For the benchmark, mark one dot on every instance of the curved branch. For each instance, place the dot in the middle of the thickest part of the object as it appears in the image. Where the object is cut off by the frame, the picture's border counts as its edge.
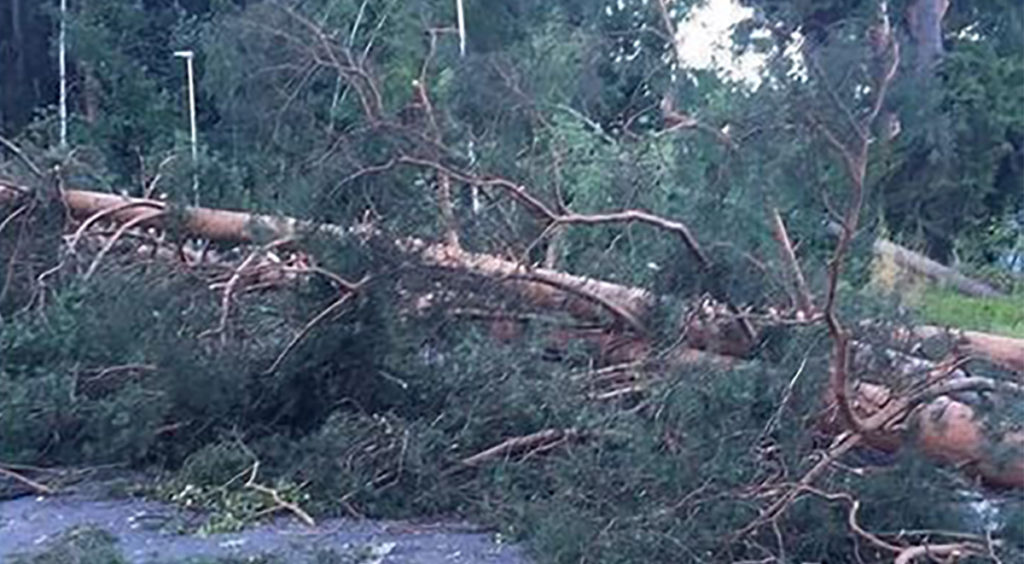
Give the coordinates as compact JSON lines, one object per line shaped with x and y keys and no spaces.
{"x":142,"y":219}
{"x":91,"y":220}
{"x":324,"y":314}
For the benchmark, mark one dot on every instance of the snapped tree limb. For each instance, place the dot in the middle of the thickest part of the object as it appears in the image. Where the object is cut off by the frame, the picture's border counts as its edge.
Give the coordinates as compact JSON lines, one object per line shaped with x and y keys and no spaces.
{"x":948,"y":429}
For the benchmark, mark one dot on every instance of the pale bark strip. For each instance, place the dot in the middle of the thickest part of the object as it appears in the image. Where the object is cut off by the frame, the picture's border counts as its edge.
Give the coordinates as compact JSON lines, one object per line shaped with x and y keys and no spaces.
{"x":804,"y":301}
{"x":444,"y":204}
{"x":924,"y":21}
{"x":538,"y":440}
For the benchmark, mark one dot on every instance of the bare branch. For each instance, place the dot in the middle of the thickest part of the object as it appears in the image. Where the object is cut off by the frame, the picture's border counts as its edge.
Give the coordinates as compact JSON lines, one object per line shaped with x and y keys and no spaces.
{"x":39,"y":488}
{"x":324,"y":314}
{"x":141,"y":219}
{"x":280,"y":503}
{"x":855,"y":158}
{"x":545,"y":439}
{"x":956,"y":550}
{"x":804,"y":301}
{"x":33,"y":167}
{"x":108,"y":212}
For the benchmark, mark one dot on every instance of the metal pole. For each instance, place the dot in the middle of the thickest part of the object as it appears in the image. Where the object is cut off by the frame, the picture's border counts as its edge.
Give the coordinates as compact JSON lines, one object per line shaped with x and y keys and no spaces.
{"x":188,"y":56}
{"x":63,"y":69}
{"x":461,"y":15}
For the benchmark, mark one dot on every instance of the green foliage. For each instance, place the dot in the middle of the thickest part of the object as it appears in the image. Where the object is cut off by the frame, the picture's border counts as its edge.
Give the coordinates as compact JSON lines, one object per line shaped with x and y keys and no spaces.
{"x":375,"y":408}
{"x":1004,"y":316}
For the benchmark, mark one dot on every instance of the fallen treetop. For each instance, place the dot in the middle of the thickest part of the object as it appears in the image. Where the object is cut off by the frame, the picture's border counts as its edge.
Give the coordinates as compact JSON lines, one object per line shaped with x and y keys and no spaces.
{"x":948,"y":429}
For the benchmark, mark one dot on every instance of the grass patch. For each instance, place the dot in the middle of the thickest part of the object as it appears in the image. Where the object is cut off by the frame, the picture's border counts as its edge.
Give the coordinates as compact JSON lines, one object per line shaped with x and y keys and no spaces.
{"x":1002,"y":315}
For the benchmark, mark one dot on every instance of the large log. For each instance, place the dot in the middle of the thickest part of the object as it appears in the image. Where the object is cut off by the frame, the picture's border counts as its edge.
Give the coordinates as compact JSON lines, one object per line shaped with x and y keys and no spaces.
{"x":921,"y":265}
{"x":949,"y":429}
{"x":1006,"y":352}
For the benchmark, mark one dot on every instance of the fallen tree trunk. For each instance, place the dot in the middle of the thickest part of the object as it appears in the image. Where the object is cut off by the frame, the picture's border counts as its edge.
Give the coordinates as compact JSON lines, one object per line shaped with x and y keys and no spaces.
{"x":949,"y":430}
{"x":1006,"y":352}
{"x":923,"y":266}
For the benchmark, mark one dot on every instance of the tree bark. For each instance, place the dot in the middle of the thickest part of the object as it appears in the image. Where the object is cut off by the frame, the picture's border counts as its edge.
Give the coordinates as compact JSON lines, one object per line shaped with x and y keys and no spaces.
{"x":924,"y":19}
{"x":924,"y":266}
{"x":1006,"y":352}
{"x":947,"y":430}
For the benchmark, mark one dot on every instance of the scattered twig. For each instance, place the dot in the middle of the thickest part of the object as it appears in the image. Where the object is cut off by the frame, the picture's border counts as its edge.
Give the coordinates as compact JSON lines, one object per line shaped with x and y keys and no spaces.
{"x":39,"y":488}
{"x":141,"y":219}
{"x":280,"y":503}
{"x":232,"y":282}
{"x":13,"y":148}
{"x":533,"y":441}
{"x":324,"y":314}
{"x":103,"y":373}
{"x":12,"y":216}
{"x":769,"y":427}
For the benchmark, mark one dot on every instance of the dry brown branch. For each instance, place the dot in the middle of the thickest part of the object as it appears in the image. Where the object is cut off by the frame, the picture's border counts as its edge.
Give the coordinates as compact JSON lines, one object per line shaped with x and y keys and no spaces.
{"x":324,"y":314}
{"x":41,"y":489}
{"x":619,"y":312}
{"x":533,"y":441}
{"x":840,"y":446}
{"x":91,"y":220}
{"x":17,"y":152}
{"x":12,"y":216}
{"x":444,"y":181}
{"x":903,"y":554}
{"x":372,"y":169}
{"x":855,"y":158}
{"x":232,"y":282}
{"x":149,"y":187}
{"x":851,"y":518}
{"x":352,"y":71}
{"x":341,"y":282}
{"x":804,"y":301}
{"x":141,"y":219}
{"x":279,"y":502}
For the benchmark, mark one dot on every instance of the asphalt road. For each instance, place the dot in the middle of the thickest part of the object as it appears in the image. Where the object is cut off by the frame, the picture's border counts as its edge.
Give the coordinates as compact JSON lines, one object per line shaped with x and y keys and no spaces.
{"x":149,"y":532}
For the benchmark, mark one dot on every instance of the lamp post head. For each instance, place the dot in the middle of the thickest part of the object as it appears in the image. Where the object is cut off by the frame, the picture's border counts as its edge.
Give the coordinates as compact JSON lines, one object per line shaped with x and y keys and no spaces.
{"x":184,"y":54}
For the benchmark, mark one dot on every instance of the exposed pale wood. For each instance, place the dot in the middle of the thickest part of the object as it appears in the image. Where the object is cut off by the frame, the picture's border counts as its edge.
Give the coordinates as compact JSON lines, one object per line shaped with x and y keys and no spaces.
{"x":802,"y":293}
{"x":1004,"y":351}
{"x":921,"y":265}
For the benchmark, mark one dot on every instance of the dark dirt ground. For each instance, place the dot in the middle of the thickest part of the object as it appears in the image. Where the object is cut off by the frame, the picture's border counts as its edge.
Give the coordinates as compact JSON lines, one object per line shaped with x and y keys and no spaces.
{"x":150,"y":532}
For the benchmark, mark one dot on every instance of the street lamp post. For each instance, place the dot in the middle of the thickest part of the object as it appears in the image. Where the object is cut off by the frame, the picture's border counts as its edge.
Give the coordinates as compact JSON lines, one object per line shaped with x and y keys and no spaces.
{"x":188,"y":56}
{"x":63,"y":70}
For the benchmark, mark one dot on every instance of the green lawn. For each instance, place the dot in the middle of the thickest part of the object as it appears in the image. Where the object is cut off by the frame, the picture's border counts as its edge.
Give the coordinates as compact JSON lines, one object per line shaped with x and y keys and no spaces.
{"x":1004,"y":315}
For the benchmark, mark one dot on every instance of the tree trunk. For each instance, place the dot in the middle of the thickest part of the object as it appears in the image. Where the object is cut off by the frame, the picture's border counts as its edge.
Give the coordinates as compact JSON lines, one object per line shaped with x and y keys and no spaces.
{"x":947,"y":429}
{"x":924,"y":19}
